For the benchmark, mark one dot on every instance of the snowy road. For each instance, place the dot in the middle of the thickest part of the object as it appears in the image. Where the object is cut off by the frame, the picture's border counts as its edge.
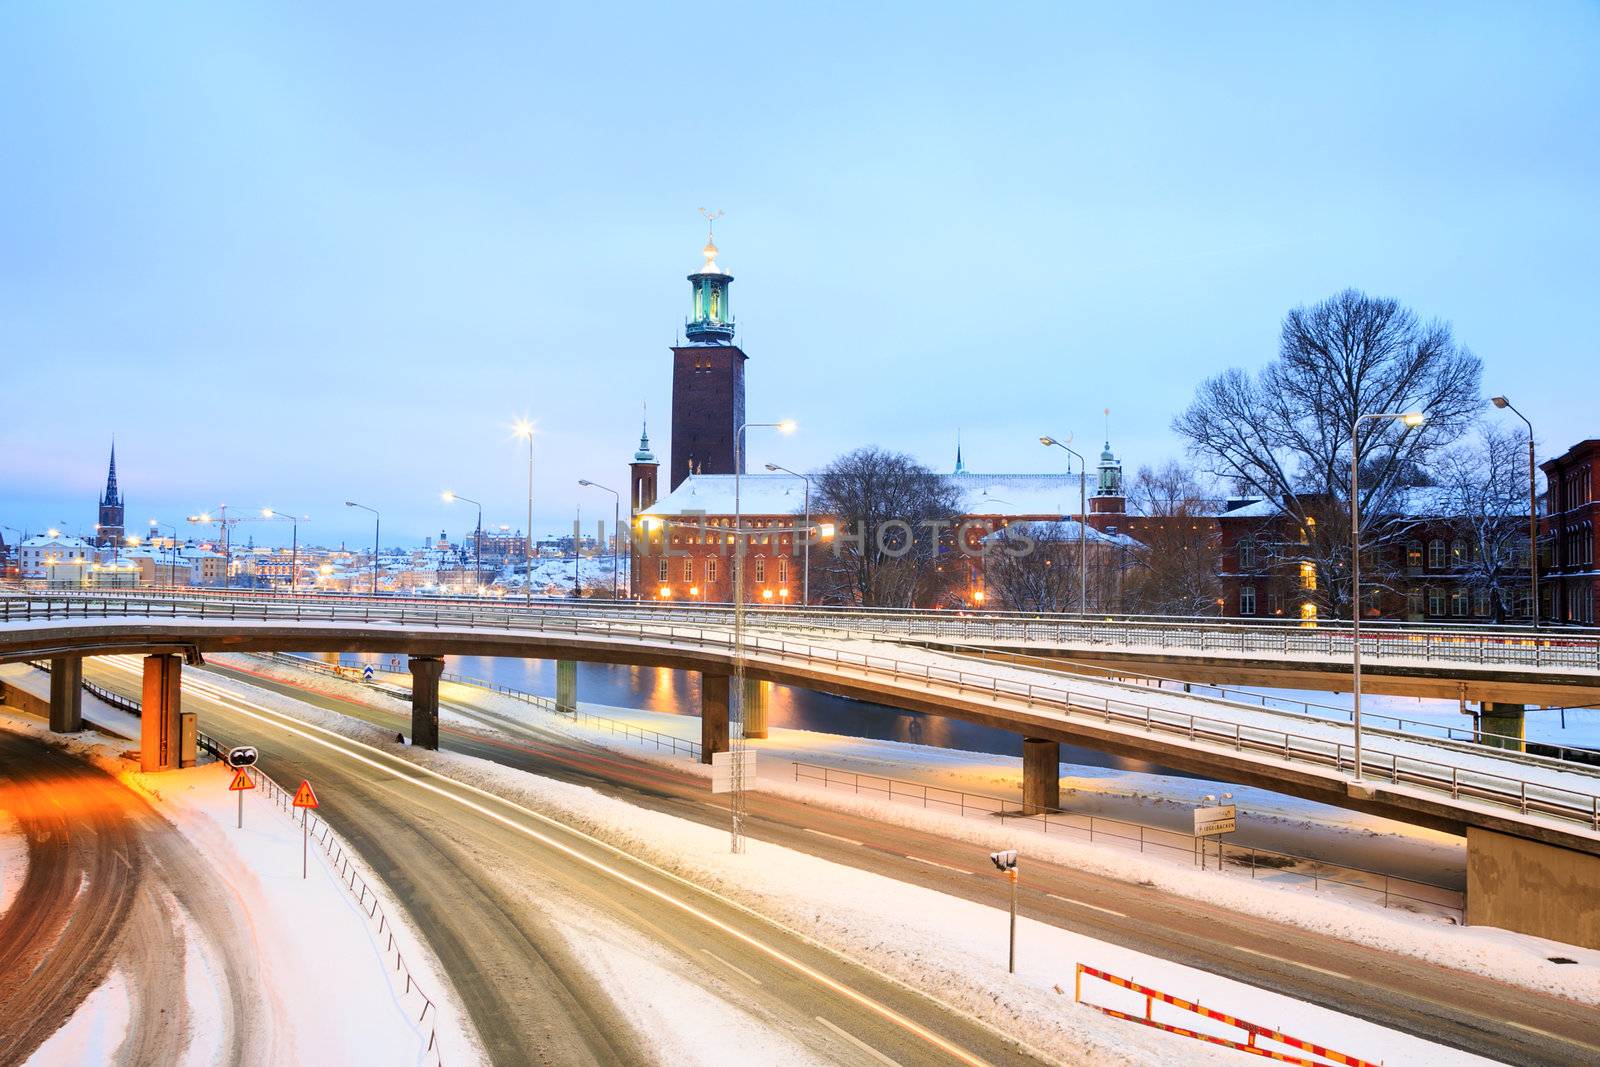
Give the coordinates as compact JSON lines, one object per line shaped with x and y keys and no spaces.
{"x":1444,"y":1005}
{"x":487,"y":881}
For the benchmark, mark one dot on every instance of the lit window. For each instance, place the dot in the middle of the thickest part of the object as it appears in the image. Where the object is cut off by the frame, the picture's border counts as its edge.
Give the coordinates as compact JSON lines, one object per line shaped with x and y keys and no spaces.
{"x":711,"y":569}
{"x":688,"y":570}
{"x":661,"y":569}
{"x":1413,"y":553}
{"x":1308,"y":575}
{"x":783,"y":569}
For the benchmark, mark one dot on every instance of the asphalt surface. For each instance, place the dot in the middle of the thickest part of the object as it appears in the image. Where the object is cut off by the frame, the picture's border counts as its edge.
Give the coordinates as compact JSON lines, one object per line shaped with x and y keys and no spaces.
{"x":482,"y":876}
{"x":1450,"y":1007}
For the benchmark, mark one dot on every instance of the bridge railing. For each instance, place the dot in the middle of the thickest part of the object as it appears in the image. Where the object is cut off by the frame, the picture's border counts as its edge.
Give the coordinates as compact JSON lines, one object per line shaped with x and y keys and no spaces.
{"x":1555,"y":649}
{"x":1320,"y":875}
{"x":1469,"y":783}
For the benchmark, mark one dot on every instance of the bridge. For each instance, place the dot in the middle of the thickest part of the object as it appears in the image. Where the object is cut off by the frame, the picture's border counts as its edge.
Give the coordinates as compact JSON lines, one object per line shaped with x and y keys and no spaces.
{"x":1532,"y":823}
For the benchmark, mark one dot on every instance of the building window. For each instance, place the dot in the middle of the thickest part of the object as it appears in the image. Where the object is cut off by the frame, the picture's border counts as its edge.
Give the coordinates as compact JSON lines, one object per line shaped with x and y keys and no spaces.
{"x":1480,"y":603}
{"x":1413,"y":553}
{"x":1435,"y":601}
{"x":1458,"y":603}
{"x":711,"y":569}
{"x":661,"y":569}
{"x":783,"y":569}
{"x":1458,"y":552}
{"x":1414,"y":601}
{"x":1308,"y":575}
{"x":1436,"y":553}
{"x":1247,"y":600}
{"x":761,"y":568}
{"x":1247,"y":555}
{"x":688,"y":569}
{"x":1275,"y":603}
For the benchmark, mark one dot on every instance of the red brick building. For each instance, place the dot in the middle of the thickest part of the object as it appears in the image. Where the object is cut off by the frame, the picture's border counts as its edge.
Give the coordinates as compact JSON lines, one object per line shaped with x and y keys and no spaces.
{"x":1569,"y":584}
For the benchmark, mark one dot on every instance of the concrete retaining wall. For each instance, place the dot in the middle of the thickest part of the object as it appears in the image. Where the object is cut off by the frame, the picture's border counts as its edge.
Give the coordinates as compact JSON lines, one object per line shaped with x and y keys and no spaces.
{"x":1533,"y":888}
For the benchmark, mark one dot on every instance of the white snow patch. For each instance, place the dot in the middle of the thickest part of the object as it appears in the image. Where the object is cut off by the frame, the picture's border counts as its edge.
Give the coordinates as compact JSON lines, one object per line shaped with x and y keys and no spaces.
{"x":95,"y":1030}
{"x":13,"y":859}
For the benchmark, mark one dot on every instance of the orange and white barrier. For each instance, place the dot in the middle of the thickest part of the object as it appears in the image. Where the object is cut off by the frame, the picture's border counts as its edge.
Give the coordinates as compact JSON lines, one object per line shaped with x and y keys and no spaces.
{"x":1252,"y":1030}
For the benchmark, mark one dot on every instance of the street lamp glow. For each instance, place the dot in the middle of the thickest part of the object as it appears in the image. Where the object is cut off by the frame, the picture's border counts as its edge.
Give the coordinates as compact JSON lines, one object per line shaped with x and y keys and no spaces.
{"x":787,"y":426}
{"x":522,"y":428}
{"x":448,"y":497}
{"x":53,"y":532}
{"x":1413,"y":418}
{"x":267,"y":513}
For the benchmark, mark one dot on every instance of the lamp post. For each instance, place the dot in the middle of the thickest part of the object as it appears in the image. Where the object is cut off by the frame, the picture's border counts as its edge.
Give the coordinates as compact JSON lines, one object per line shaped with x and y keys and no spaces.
{"x":524,"y":428}
{"x":294,"y":545}
{"x":1083,"y":507}
{"x":616,"y":517}
{"x":450,"y":497}
{"x":1533,"y":515}
{"x":377,"y":520}
{"x":805,"y":565}
{"x":736,"y":689}
{"x":1410,"y":419}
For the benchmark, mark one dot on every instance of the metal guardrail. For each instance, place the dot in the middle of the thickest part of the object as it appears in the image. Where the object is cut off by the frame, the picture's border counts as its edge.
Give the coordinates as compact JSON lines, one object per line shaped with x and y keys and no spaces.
{"x":1556,"y":648}
{"x":339,"y":858}
{"x":1096,"y":829}
{"x":1524,"y":796}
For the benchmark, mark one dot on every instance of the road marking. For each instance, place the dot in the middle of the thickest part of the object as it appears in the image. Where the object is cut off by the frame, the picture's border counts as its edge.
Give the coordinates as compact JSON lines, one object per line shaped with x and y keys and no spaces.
{"x":347,"y":747}
{"x":858,"y":1043}
{"x":936,"y":863}
{"x":1297,"y":963}
{"x":833,"y":837}
{"x":1086,"y":904}
{"x":731,"y":967}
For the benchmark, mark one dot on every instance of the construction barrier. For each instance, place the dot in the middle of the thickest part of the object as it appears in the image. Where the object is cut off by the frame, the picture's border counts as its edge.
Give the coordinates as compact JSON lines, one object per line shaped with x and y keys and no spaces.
{"x":1252,"y":1030}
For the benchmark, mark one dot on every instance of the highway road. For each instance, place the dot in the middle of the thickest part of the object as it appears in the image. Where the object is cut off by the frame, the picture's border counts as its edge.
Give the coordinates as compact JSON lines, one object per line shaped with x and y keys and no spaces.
{"x":1451,"y":1007}
{"x":107,"y":880}
{"x":482,"y":876}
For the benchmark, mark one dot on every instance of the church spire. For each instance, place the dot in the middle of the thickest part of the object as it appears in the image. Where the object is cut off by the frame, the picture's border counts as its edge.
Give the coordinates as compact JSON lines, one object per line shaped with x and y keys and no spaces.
{"x":111,"y":498}
{"x":644,"y":455}
{"x":961,"y":468}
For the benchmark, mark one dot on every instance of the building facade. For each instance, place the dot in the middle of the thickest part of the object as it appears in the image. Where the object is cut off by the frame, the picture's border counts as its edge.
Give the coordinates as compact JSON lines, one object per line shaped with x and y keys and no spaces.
{"x":1570,"y":581}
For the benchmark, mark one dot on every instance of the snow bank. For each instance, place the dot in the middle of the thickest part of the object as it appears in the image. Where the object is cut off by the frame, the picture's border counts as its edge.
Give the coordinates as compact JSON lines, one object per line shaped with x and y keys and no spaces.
{"x":95,"y":1030}
{"x":13,"y":859}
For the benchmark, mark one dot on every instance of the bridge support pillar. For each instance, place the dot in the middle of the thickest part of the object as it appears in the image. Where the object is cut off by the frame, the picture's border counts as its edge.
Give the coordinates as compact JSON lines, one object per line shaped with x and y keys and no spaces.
{"x":1041,"y":775}
{"x":425,"y":671}
{"x":1533,"y":888}
{"x":66,"y":694}
{"x":713,"y":715}
{"x":163,"y":743}
{"x":1506,"y":720}
{"x":566,"y":686}
{"x":757,"y":694}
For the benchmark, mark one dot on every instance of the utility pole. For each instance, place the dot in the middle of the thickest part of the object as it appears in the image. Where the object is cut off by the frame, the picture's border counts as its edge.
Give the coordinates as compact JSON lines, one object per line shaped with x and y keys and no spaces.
{"x":1006,"y":862}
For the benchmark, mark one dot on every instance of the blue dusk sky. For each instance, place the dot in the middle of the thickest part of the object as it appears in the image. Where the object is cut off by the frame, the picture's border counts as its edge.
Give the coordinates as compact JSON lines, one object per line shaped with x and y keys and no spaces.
{"x":294,"y":253}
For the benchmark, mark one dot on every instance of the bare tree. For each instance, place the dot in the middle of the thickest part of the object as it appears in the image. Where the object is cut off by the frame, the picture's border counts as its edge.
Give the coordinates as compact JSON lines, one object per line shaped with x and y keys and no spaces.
{"x":1483,"y":487}
{"x":1033,"y":566}
{"x":1174,"y":563}
{"x":1284,"y":433}
{"x":895,"y":522}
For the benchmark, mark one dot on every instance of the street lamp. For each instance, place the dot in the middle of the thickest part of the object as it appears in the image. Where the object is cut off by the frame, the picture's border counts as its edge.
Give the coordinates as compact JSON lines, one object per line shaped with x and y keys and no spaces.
{"x":1083,"y":558}
{"x":377,"y":521}
{"x":172,"y":551}
{"x":805,"y":574}
{"x":524,"y":428}
{"x":451,"y":497}
{"x":616,"y":517}
{"x":1533,"y":515}
{"x":294,"y":549}
{"x":1410,"y":419}
{"x":736,"y":698}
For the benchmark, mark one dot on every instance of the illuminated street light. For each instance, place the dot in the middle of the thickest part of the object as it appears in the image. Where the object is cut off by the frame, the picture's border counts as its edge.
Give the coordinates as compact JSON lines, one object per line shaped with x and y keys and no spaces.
{"x":1083,"y":518}
{"x":377,"y":521}
{"x":1533,"y":514}
{"x":616,"y":517}
{"x":524,"y":428}
{"x":477,"y":537}
{"x":1410,"y":419}
{"x":805,"y":577}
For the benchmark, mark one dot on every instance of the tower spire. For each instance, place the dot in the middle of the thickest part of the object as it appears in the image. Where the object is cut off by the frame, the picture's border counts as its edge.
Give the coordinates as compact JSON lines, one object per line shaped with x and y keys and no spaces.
{"x":961,"y":468}
{"x":710,"y":321}
{"x":111,"y":477}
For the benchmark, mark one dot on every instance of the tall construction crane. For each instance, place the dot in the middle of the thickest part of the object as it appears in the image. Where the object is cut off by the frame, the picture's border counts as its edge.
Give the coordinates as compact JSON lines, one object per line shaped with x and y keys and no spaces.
{"x":227,"y":522}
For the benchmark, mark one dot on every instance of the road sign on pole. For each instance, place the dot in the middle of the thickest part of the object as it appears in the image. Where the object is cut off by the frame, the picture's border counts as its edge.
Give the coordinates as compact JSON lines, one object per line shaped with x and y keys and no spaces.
{"x":366,"y":673}
{"x":723,"y":765}
{"x":304,"y":799}
{"x":1219,"y":819}
{"x":241,"y":782}
{"x":1007,"y":862}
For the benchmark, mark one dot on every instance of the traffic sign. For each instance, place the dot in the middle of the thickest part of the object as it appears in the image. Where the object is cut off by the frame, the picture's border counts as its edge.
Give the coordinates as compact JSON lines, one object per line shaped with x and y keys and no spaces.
{"x":366,"y":673}
{"x":1221,"y":819}
{"x":241,"y":780}
{"x":304,"y":797}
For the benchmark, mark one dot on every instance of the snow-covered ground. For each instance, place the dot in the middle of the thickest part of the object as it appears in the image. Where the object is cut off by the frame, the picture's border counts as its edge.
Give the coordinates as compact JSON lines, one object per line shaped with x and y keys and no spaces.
{"x":950,"y":947}
{"x":13,"y":859}
{"x":1579,"y":727}
{"x":325,"y":978}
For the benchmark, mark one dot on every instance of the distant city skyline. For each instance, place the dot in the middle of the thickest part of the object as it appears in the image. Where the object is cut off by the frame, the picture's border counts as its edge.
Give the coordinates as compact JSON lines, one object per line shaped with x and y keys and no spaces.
{"x":293,"y":257}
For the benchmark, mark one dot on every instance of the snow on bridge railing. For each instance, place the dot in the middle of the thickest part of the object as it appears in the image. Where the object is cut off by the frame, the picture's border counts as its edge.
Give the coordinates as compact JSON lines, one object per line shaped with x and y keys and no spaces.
{"x":349,"y":876}
{"x":1527,"y":797}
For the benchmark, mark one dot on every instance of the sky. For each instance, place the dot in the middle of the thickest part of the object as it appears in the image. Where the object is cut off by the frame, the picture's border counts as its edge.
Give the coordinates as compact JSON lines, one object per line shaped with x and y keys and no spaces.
{"x":291,"y":255}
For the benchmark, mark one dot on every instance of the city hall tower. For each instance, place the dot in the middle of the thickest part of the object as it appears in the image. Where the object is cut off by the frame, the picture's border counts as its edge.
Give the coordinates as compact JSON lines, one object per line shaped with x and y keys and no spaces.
{"x":707,"y":377}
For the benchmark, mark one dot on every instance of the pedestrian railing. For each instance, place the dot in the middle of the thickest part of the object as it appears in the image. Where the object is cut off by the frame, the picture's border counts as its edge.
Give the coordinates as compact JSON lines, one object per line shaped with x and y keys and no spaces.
{"x":1055,"y":698}
{"x":349,"y":876}
{"x":1206,"y":853}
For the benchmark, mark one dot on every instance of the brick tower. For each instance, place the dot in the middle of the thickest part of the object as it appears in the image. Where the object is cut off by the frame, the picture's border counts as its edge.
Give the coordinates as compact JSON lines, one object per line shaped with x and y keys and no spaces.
{"x":109,"y":528}
{"x":707,"y":379}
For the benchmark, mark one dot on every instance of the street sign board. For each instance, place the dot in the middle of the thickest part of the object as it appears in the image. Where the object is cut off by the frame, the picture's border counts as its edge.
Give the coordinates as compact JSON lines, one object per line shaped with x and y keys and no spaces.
{"x":1220,"y":819}
{"x":722,"y":764}
{"x":241,"y":780}
{"x":1004,"y":861}
{"x":304,"y":797}
{"x":366,"y":673}
{"x":243,"y":756}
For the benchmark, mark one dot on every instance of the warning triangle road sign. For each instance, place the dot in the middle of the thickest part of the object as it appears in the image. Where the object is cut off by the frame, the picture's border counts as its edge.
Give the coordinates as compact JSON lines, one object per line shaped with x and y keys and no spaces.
{"x":304,"y":797}
{"x":241,"y":780}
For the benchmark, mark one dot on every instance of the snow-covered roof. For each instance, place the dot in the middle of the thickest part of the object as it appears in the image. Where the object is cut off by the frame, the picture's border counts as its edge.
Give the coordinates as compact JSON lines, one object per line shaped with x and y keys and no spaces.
{"x":1018,"y":495}
{"x":1064,"y":530}
{"x":1259,"y":508}
{"x":58,"y":541}
{"x":712,"y":494}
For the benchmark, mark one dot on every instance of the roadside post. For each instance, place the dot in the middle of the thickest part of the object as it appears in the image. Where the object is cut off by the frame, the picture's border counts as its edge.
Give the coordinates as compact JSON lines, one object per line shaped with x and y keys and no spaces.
{"x":240,"y":758}
{"x":1007,"y":861}
{"x":1213,"y":820}
{"x":304,"y":799}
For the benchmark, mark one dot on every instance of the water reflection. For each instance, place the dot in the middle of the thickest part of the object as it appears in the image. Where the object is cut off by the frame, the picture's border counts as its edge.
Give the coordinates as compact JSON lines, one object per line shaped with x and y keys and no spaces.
{"x":678,"y":693}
